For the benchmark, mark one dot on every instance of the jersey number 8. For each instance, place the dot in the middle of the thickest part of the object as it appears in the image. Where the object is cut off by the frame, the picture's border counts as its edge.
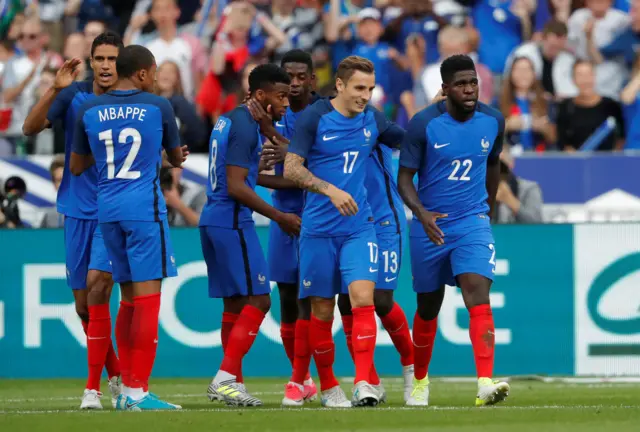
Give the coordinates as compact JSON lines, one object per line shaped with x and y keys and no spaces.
{"x":124,"y":173}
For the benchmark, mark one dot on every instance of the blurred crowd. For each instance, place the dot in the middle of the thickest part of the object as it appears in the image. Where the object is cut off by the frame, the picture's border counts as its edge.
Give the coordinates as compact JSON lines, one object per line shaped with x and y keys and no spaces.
{"x":564,"y":73}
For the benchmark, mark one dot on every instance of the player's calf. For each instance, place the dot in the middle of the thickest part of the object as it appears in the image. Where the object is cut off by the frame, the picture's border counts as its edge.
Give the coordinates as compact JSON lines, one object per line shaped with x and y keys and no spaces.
{"x":475,"y":291}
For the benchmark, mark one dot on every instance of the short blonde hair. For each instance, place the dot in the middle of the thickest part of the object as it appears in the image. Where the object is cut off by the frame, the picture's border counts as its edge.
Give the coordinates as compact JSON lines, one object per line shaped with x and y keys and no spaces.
{"x":350,"y":65}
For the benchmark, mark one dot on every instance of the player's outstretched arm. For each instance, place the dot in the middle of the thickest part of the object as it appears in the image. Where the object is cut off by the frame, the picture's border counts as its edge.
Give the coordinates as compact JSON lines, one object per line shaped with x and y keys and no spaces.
{"x":295,"y":171}
{"x":493,"y":168}
{"x":38,"y":118}
{"x":241,"y":192}
{"x":275,"y":182}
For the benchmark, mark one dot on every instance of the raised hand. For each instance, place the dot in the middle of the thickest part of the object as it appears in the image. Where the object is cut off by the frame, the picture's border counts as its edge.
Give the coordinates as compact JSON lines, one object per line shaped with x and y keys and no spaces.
{"x":67,"y":74}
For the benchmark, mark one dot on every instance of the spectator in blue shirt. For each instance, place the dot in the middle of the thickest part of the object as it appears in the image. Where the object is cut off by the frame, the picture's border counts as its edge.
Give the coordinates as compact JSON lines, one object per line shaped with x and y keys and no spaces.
{"x":381,"y":54}
{"x":503,"y":25}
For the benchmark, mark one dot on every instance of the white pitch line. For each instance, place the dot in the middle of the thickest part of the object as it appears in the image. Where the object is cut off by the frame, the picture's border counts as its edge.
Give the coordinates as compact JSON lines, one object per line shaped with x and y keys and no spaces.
{"x":72,"y":398}
{"x":432,"y":408}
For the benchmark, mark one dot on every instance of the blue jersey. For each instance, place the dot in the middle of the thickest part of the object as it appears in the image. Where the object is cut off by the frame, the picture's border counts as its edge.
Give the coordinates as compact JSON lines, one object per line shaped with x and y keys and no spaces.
{"x":77,"y":196}
{"x":451,"y":159}
{"x":382,"y":192}
{"x":287,"y":200}
{"x":126,"y":131}
{"x":235,"y":140}
{"x":337,"y":149}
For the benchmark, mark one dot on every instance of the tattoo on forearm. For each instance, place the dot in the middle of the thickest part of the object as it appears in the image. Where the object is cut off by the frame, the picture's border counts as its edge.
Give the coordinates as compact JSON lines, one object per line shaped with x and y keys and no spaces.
{"x":301,"y":176}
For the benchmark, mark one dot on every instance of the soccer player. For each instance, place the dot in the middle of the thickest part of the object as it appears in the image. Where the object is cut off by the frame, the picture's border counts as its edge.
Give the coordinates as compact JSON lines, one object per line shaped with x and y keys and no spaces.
{"x":338,"y":241}
{"x":390,"y":224}
{"x":125,"y":131}
{"x":283,"y":249}
{"x":87,"y":262}
{"x":236,"y":265}
{"x":453,"y":145}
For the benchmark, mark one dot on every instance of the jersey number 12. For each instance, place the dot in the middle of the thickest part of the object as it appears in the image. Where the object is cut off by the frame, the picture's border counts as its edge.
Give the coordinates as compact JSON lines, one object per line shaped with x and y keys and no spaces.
{"x":125,"y":172}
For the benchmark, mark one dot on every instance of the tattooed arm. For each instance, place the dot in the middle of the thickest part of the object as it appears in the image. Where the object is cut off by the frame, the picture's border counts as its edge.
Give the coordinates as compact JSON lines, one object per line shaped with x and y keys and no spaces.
{"x":295,"y":171}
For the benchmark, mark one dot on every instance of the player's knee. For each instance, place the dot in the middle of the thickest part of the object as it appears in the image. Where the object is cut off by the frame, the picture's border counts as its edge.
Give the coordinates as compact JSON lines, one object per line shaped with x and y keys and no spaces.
{"x":383,"y":301}
{"x":99,"y":283}
{"x":261,"y":302}
{"x":83,"y":312}
{"x":361,"y":295}
{"x":288,"y":297}
{"x":304,"y":309}
{"x":429,"y":304}
{"x":344,"y":304}
{"x":322,"y":309}
{"x":475,"y":291}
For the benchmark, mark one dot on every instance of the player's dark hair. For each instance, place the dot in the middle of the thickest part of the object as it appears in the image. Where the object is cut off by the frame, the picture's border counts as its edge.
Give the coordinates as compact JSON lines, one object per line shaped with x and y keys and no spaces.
{"x":107,"y":38}
{"x":350,"y":65}
{"x":298,"y":56}
{"x":454,"y":64}
{"x":266,"y":75}
{"x":132,"y":59}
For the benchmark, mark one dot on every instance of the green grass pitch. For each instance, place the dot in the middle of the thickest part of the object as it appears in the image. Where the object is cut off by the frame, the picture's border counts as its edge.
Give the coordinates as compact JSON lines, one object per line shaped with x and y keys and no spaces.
{"x":52,"y":405}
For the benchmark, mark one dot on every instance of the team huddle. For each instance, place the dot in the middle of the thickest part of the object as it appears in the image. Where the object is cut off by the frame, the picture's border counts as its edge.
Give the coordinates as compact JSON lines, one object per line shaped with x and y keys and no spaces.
{"x":337,"y":222}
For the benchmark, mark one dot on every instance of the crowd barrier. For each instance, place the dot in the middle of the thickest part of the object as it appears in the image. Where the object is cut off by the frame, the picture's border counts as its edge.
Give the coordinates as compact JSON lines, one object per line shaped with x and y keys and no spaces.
{"x":565,"y":301}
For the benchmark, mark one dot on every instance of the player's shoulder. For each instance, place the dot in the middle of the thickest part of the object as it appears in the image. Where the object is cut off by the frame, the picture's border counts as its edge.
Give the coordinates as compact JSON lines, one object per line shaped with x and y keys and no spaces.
{"x":141,"y":97}
{"x":313,"y":113}
{"x":76,"y":88}
{"x":240,"y":116}
{"x":489,"y":111}
{"x":432,"y":112}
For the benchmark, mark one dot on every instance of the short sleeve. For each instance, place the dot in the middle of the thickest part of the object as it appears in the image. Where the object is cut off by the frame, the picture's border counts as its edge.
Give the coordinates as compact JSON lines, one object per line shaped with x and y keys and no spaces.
{"x":242,"y":142}
{"x":389,"y":133}
{"x":9,"y":78}
{"x":80,"y":140}
{"x":414,"y":143}
{"x":170,"y":133}
{"x":61,"y":104}
{"x":304,"y":135}
{"x":494,"y":156}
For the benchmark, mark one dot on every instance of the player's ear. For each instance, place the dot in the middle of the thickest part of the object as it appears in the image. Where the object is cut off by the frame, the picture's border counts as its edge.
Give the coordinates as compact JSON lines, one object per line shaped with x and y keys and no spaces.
{"x":339,"y":85}
{"x":259,"y":95}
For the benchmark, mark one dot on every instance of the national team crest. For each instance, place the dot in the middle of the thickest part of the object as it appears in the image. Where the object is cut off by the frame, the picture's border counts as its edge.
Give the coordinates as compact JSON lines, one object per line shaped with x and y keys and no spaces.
{"x":367,"y":134}
{"x":485,"y":144}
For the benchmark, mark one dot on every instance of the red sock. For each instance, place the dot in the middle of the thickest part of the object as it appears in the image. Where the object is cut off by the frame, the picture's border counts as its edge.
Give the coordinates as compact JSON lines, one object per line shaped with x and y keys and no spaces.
{"x":98,"y":342}
{"x":144,"y":338}
{"x":112,"y":364}
{"x":424,"y":334}
{"x":288,"y":335}
{"x":85,"y":326}
{"x":365,"y":331}
{"x":347,"y":326}
{"x":123,"y":340}
{"x":228,"y":321}
{"x":302,"y":350}
{"x":395,"y":322}
{"x":242,"y":335}
{"x":482,"y":333}
{"x":324,"y":351}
